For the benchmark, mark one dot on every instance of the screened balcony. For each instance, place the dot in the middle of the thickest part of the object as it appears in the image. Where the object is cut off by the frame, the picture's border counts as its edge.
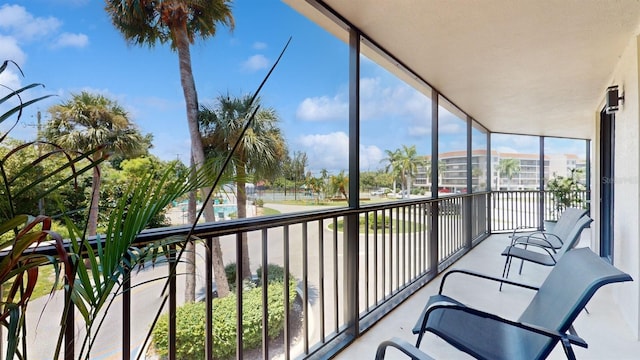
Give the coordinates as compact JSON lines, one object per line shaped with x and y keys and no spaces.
{"x":350,"y":294}
{"x":536,"y":71}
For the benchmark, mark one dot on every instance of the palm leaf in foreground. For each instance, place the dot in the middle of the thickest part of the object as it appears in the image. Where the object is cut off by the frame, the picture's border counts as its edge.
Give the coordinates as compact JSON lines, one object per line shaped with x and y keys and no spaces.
{"x":113,"y":256}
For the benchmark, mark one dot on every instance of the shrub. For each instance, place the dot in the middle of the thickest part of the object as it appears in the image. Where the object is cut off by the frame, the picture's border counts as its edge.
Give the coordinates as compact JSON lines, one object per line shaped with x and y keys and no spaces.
{"x":258,"y":202}
{"x":230,"y":271}
{"x":190,"y":323}
{"x":275,"y":273}
{"x":191,"y":318}
{"x":380,"y":223}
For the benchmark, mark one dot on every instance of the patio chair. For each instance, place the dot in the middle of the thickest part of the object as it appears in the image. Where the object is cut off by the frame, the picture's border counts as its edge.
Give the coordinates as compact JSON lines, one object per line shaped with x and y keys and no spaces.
{"x":554,"y":238}
{"x":408,"y":349}
{"x":545,"y":322}
{"x":547,"y":256}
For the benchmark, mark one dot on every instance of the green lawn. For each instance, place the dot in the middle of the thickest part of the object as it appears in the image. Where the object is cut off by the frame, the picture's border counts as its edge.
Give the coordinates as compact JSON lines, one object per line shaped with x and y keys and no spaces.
{"x":397,"y":224}
{"x":44,"y":284}
{"x":269,"y":211}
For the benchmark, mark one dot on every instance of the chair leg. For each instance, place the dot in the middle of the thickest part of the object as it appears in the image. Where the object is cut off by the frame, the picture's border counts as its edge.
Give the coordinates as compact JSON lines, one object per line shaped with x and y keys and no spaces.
{"x":568,"y":350}
{"x":420,"y":335}
{"x":505,"y":271}
{"x":522,"y":262}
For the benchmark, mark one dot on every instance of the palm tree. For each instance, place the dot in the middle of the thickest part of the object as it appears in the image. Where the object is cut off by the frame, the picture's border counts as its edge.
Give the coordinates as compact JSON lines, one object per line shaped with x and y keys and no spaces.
{"x":508,"y":168}
{"x":89,"y":121}
{"x":408,"y":161}
{"x":403,"y":163}
{"x":260,"y":151}
{"x":339,"y":183}
{"x":179,"y":23}
{"x":393,"y":166}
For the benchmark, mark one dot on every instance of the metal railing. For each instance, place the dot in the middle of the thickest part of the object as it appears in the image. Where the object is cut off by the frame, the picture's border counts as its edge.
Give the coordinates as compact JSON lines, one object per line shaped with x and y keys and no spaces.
{"x":400,"y":246}
{"x":527,"y":209}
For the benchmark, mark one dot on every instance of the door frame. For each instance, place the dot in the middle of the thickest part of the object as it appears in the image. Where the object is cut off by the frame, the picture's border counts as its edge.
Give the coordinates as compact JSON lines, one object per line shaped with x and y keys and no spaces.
{"x":607,"y":184}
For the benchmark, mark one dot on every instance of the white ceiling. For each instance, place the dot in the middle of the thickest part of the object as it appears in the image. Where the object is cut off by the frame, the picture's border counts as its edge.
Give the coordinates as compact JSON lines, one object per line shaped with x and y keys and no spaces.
{"x":536,"y":67}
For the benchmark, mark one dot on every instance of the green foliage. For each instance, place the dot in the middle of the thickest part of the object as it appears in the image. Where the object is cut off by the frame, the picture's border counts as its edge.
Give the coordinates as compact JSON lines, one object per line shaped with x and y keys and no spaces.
{"x":380,"y":223}
{"x":403,"y":163}
{"x":27,"y":174}
{"x":258,"y":202}
{"x":115,"y":182}
{"x":566,"y":190}
{"x":338,"y":184}
{"x":371,"y":180}
{"x":508,"y":168}
{"x":230,"y":272}
{"x":190,"y":318}
{"x":275,"y":273}
{"x":141,"y":200}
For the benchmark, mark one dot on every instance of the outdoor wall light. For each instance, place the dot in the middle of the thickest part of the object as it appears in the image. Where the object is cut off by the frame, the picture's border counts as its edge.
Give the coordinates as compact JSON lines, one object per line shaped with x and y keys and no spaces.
{"x":612,"y":99}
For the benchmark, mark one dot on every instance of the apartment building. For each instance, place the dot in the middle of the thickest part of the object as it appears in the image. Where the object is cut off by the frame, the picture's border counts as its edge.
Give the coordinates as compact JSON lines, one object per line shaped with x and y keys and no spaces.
{"x":453,"y":170}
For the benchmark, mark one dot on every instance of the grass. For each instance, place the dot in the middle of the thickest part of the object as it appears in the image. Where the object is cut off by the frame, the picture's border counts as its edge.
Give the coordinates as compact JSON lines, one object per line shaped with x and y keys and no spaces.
{"x":397,"y":224}
{"x":44,"y":285}
{"x":269,"y":211}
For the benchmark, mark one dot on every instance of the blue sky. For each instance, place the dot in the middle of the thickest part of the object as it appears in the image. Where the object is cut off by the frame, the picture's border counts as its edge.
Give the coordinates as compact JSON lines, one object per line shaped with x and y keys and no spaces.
{"x":71,"y":46}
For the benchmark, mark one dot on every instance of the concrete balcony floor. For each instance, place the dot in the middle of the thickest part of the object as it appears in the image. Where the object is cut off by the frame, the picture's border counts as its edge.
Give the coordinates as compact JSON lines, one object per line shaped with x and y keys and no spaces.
{"x":603,"y":328}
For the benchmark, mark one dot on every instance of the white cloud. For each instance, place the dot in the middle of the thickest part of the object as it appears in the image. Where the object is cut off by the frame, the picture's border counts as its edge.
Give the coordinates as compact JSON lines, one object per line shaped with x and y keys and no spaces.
{"x":378,"y":101}
{"x":255,"y":63}
{"x":419,"y":131}
{"x":24,"y":26}
{"x":323,"y":108}
{"x":10,"y":50}
{"x":506,"y":149}
{"x":71,"y":40}
{"x":331,"y":152}
{"x":451,"y":127}
{"x":11,"y":79}
{"x":370,"y":157}
{"x":381,"y":101}
{"x":258,"y":45}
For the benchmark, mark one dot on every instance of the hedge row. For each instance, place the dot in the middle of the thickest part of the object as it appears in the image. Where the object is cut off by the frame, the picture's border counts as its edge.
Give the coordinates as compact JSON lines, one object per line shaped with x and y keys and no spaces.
{"x":190,"y":322}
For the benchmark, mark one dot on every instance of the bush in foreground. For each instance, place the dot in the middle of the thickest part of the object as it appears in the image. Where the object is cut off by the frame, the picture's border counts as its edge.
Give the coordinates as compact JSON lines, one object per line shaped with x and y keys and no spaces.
{"x":190,"y":322}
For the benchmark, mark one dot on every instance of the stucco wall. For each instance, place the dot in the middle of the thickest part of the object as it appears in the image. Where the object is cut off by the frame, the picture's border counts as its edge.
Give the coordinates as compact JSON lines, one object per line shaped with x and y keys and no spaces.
{"x":627,"y":184}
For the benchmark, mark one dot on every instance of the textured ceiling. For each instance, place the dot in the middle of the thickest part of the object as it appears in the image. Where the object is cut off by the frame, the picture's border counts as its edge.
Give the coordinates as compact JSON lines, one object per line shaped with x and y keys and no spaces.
{"x":536,"y":67}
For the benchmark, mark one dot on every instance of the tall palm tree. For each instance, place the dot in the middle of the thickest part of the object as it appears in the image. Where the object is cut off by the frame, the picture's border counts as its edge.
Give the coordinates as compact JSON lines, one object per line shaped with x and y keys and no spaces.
{"x":260,"y":151}
{"x":409,"y":162}
{"x":88,"y":121}
{"x":508,"y":168}
{"x":393,"y":166}
{"x":179,"y":23}
{"x":403,"y":163}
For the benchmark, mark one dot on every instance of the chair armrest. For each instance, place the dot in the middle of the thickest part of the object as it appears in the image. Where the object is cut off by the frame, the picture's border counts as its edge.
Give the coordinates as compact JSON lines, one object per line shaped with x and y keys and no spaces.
{"x":515,"y":231}
{"x":538,"y":236}
{"x":483,"y":276}
{"x":407,"y":348}
{"x":572,"y":338}
{"x":545,"y":248}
